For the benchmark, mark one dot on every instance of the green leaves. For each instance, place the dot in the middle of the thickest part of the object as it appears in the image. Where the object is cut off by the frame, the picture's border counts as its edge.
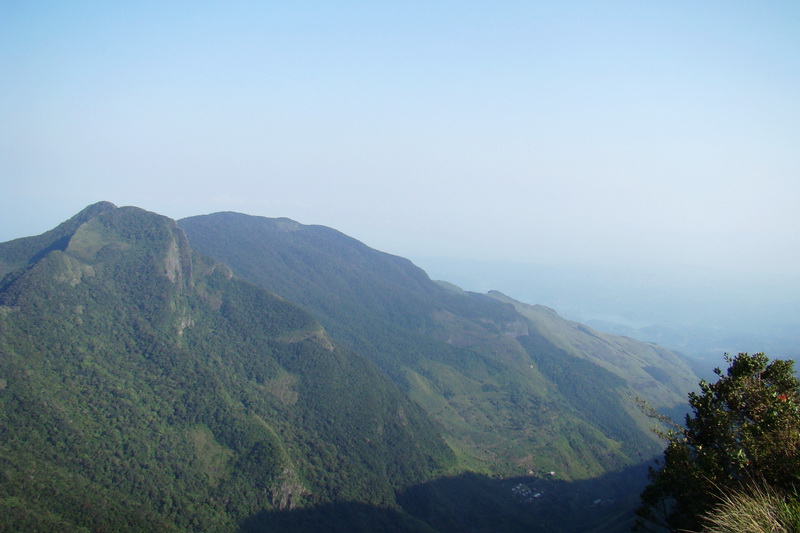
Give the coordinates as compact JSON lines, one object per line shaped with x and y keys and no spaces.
{"x":745,"y":427}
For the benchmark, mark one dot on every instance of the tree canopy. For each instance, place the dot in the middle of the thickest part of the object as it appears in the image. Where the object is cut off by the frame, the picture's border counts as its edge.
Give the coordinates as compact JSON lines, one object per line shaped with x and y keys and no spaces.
{"x":743,"y":431}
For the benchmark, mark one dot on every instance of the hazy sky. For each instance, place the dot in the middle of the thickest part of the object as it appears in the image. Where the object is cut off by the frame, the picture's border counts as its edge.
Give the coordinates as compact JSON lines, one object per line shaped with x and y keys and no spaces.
{"x":640,"y":133}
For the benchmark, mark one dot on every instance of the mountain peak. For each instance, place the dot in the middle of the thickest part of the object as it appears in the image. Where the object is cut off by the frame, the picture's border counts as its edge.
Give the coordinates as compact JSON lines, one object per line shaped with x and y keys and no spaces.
{"x":19,"y":252}
{"x":96,"y":209}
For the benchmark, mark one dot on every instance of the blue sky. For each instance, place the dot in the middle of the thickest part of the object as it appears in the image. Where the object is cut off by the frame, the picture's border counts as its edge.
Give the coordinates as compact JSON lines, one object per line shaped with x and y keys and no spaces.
{"x":645,"y":134}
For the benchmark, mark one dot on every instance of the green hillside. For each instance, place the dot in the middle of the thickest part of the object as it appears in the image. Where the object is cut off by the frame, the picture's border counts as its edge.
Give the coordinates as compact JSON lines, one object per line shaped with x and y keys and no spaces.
{"x":144,"y":388}
{"x":513,"y":393}
{"x":653,"y":371}
{"x":300,"y":381}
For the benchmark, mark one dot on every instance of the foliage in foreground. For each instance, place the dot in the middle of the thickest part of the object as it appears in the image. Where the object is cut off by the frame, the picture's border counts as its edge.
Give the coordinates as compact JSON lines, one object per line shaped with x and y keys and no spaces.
{"x":760,"y":509}
{"x":744,"y":430}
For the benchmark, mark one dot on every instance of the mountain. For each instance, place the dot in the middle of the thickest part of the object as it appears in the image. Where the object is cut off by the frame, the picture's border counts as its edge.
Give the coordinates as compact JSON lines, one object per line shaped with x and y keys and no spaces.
{"x":515,"y":389}
{"x":229,"y":372}
{"x":145,"y":387}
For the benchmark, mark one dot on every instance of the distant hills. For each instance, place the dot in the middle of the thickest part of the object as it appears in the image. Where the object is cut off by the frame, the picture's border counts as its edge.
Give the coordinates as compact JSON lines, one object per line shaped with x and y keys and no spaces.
{"x":701,"y":312}
{"x":230,"y":372}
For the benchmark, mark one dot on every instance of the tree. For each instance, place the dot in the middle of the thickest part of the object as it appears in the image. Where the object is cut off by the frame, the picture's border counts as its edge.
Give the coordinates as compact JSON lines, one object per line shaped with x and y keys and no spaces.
{"x":744,"y":430}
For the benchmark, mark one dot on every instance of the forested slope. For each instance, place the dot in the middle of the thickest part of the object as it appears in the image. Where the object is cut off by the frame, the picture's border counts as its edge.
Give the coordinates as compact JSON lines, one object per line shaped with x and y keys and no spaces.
{"x":143,"y":387}
{"x":512,"y":393}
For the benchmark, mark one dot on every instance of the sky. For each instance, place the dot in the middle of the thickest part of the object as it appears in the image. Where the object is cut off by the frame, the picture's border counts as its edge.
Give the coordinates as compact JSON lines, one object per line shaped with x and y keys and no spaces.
{"x":639,"y":134}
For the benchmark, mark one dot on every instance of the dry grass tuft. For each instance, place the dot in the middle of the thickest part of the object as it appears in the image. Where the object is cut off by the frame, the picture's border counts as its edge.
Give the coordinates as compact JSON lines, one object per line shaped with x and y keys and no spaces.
{"x":759,"y":509}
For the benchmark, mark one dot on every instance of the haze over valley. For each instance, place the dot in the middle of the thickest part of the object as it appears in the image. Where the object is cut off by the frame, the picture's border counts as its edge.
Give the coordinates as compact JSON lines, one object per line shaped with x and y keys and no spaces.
{"x":701,"y":313}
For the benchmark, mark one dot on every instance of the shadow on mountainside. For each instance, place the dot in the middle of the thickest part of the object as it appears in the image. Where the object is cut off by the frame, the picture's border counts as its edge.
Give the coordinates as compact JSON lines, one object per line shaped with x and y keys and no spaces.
{"x":344,"y":517}
{"x":473,"y":503}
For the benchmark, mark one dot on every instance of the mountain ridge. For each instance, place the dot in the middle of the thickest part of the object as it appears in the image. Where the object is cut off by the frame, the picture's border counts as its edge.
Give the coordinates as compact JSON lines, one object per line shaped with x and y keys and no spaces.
{"x":466,"y":346}
{"x":305,"y":381}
